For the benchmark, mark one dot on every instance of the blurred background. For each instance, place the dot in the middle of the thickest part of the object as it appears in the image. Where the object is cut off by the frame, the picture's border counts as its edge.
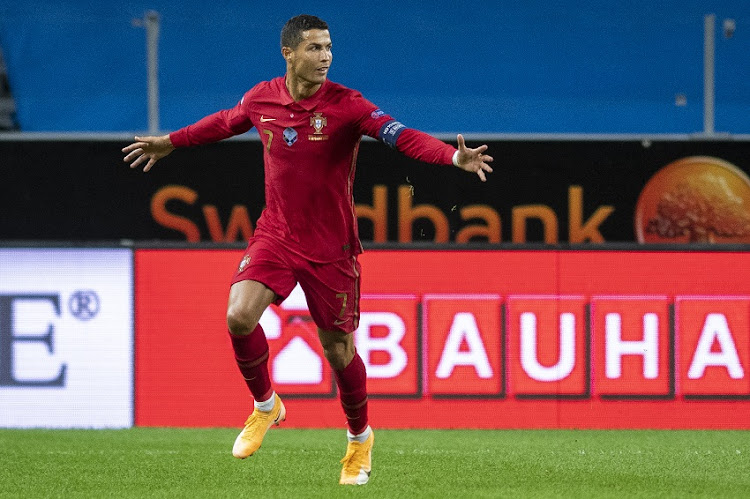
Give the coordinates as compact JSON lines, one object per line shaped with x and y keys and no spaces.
{"x":441,"y":66}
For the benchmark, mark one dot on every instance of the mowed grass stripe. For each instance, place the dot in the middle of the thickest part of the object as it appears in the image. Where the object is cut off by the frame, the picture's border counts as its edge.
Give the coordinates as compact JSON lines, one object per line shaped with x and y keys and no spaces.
{"x":165,"y":462}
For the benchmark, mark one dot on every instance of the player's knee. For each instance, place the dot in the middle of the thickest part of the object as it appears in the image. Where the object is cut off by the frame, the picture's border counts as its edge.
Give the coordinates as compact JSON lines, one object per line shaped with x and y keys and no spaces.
{"x":240,"y":320}
{"x":339,"y":354}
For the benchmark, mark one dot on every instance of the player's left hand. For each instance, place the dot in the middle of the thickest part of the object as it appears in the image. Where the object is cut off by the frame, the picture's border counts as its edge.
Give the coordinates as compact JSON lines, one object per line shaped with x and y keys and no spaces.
{"x":473,"y":160}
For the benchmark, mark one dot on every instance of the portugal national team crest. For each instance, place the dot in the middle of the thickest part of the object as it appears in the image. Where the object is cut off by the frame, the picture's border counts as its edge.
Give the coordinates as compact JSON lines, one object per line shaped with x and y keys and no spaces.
{"x":318,"y":121}
{"x":244,"y":263}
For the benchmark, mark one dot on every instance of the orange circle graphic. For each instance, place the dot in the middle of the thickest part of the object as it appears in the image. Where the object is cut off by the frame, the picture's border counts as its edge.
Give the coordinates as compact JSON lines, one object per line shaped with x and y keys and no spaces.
{"x":699,"y":199}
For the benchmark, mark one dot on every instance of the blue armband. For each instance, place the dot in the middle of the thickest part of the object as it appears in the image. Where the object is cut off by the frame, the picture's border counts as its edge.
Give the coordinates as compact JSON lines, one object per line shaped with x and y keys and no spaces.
{"x":390,"y":131}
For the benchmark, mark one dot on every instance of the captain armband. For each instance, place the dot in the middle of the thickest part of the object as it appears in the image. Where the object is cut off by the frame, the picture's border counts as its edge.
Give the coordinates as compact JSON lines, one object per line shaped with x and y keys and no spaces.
{"x":390,"y":131}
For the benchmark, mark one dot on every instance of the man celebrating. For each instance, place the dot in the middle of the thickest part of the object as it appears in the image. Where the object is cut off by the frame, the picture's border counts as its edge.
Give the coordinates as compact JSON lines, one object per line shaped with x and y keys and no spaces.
{"x":310,"y":129}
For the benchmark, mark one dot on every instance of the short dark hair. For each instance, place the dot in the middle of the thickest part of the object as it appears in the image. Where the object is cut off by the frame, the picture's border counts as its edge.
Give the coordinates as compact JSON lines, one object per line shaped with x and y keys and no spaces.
{"x":291,"y":33}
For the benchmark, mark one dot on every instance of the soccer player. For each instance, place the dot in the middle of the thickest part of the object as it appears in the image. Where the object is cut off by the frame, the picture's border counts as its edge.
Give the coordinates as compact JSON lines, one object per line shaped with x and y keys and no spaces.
{"x":310,"y":129}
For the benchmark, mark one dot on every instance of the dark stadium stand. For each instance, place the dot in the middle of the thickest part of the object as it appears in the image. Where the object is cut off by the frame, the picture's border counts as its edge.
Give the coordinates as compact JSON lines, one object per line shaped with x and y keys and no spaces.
{"x":7,"y":104}
{"x":507,"y":68}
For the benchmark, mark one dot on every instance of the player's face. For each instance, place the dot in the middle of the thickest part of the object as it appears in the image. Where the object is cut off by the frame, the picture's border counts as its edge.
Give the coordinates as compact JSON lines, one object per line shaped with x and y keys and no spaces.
{"x":312,"y":58}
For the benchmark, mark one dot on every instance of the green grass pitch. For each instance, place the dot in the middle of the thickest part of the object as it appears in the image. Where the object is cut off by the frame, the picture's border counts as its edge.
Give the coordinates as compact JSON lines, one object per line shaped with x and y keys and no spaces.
{"x":195,"y":463}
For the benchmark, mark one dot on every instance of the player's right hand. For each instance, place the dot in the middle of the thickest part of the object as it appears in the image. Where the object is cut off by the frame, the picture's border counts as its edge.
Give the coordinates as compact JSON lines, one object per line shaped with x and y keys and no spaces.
{"x":150,"y":149}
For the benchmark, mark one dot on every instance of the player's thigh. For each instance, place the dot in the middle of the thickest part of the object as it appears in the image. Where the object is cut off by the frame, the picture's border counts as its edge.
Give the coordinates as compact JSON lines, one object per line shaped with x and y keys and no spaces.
{"x":264,"y":276}
{"x":247,"y":301}
{"x":332,"y":292}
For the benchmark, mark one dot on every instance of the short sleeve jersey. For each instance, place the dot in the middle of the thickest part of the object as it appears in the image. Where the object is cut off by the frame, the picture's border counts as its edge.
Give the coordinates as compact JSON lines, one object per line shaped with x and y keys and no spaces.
{"x":310,"y":153}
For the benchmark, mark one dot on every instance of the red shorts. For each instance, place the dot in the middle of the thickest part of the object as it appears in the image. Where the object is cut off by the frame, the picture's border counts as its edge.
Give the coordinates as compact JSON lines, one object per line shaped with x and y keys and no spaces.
{"x":331,"y":289}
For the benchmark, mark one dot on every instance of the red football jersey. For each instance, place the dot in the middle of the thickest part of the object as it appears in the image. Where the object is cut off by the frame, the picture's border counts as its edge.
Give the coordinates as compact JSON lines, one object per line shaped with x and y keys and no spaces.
{"x":310,"y":154}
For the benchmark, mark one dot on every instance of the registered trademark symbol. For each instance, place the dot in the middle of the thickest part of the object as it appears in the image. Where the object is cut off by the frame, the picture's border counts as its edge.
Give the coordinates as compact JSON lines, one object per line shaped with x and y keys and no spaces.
{"x":84,"y":304}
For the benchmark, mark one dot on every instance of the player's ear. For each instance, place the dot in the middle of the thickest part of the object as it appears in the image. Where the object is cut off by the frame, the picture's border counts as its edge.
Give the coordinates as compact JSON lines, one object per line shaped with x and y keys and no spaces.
{"x":286,"y":53}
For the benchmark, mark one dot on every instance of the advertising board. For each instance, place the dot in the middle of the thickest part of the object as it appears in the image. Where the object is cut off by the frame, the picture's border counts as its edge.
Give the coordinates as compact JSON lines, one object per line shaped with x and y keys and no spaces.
{"x":66,"y":338}
{"x":468,"y":338}
{"x":541,"y":191}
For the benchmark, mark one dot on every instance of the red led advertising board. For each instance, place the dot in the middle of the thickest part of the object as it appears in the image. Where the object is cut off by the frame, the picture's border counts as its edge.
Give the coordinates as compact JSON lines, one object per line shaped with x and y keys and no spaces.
{"x":467,"y":339}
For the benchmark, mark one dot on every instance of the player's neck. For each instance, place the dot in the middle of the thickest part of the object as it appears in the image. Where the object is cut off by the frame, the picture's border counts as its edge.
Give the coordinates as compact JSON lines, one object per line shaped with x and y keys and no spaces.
{"x":300,"y":89}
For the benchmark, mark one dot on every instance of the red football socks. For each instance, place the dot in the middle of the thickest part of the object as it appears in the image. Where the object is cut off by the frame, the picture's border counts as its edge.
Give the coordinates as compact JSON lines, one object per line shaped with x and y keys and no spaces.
{"x":352,"y":383}
{"x":251,"y":354}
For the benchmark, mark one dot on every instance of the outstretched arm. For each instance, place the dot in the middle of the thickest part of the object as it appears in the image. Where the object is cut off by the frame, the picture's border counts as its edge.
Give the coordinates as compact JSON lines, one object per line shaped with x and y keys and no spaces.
{"x":212,"y":128}
{"x":150,"y":149}
{"x":416,"y":144}
{"x":424,"y":147}
{"x":472,"y":160}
